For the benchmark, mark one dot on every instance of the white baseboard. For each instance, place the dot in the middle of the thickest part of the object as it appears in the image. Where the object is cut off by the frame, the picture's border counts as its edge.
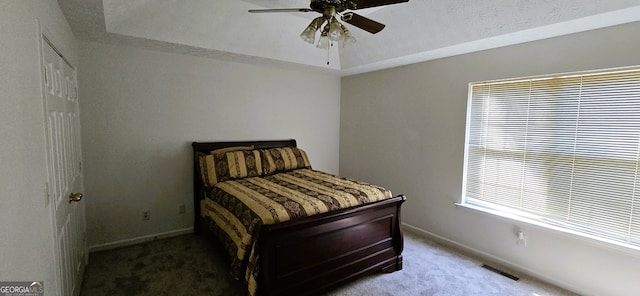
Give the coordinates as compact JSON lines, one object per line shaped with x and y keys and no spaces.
{"x":138,"y":240}
{"x":488,"y":258}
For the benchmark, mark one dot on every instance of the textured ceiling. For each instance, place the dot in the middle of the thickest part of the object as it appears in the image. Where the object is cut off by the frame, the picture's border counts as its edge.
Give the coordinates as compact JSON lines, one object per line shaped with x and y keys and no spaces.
{"x":416,"y":31}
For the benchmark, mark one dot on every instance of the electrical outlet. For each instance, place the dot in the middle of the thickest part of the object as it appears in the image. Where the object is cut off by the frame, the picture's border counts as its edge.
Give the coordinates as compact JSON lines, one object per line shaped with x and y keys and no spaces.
{"x":146,"y":215}
{"x":182,"y":209}
{"x":521,"y":239}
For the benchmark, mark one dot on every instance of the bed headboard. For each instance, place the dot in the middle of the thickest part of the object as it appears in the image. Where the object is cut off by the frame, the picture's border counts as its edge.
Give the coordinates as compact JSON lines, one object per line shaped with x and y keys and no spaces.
{"x":207,"y":147}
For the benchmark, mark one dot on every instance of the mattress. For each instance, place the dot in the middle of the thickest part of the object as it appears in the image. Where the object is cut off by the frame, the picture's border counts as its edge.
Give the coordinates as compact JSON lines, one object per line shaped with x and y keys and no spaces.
{"x":238,"y":208}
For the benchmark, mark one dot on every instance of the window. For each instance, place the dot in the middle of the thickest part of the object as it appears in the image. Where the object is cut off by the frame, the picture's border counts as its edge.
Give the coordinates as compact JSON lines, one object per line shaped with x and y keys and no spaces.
{"x":563,"y":150}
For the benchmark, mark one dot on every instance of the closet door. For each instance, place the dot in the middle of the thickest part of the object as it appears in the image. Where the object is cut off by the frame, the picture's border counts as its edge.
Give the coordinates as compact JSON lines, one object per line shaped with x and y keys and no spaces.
{"x":64,"y":184}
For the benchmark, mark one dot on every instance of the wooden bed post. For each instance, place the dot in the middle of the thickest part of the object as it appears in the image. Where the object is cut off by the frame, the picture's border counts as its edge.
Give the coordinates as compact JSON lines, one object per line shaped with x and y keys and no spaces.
{"x":196,"y":190}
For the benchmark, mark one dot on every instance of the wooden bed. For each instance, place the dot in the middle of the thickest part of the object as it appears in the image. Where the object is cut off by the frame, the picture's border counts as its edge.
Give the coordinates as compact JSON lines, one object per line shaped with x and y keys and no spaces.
{"x":311,"y":255}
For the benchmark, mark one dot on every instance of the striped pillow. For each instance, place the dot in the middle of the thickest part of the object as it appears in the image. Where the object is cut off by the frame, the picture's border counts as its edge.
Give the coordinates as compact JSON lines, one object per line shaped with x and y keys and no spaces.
{"x":230,"y":165}
{"x":230,"y":149}
{"x":284,"y":159}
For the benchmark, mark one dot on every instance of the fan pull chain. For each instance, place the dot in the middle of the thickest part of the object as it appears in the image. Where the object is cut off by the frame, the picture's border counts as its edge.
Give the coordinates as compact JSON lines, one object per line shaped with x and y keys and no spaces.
{"x":328,"y":52}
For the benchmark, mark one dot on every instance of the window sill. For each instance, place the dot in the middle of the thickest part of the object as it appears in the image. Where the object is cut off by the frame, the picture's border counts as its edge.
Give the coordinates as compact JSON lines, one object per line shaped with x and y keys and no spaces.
{"x":591,"y":240}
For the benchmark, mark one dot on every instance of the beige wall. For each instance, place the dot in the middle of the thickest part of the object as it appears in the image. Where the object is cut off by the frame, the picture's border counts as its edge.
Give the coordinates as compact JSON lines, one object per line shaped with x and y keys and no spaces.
{"x":141,"y":109}
{"x":26,"y":240}
{"x":404,"y":128}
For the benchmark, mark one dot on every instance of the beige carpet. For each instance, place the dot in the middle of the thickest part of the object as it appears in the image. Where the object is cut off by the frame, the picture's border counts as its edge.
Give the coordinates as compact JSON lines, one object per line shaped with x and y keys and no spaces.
{"x":194,"y":265}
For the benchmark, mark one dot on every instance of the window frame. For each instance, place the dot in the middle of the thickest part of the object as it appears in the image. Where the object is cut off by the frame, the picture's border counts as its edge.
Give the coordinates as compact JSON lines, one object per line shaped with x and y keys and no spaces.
{"x":515,"y":214}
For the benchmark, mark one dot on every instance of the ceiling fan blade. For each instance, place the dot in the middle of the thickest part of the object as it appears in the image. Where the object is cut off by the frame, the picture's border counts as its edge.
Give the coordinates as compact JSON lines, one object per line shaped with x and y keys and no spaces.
{"x":280,"y":10}
{"x":362,"y":22}
{"x":360,"y":4}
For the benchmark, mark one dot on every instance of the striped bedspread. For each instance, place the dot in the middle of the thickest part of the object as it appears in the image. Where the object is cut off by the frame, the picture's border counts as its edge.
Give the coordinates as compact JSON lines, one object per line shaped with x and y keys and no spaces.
{"x":240,"y":207}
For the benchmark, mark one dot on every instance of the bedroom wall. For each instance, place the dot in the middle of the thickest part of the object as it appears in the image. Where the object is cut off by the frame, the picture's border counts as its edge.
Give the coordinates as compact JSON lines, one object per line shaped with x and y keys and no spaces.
{"x":26,"y":240}
{"x":142,"y":109}
{"x":404,"y":128}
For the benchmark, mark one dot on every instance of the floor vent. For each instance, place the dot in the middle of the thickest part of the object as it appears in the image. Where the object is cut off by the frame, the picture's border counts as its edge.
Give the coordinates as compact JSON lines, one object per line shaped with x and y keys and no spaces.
{"x":500,"y":272}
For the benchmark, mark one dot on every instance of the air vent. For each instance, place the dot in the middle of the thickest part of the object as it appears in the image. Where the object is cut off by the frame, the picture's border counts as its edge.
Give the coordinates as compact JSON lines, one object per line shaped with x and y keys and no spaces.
{"x":500,"y":272}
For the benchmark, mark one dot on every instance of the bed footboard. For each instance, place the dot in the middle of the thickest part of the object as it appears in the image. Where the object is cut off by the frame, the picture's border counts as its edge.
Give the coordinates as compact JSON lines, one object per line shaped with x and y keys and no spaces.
{"x":312,"y":255}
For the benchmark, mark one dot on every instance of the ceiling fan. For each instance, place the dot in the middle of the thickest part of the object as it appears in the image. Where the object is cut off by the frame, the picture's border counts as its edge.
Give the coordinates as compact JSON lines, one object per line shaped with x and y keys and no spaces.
{"x":333,"y":30}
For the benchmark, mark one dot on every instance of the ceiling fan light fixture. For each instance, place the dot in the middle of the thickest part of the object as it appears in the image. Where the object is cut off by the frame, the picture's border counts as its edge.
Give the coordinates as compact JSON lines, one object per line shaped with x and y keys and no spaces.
{"x":324,"y":41}
{"x":335,"y":30}
{"x":347,"y":38}
{"x":309,"y":34}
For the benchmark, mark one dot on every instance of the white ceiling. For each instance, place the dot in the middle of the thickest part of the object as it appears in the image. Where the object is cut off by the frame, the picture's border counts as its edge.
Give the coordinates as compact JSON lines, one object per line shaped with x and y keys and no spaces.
{"x":416,"y":31}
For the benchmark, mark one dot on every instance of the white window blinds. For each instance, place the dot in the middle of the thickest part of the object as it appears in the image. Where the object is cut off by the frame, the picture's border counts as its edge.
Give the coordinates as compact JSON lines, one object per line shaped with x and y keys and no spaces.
{"x":564,"y":150}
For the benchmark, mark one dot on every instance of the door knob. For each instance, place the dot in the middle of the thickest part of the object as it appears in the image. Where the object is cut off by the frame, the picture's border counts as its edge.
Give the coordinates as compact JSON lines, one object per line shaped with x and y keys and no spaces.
{"x":75,"y":197}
